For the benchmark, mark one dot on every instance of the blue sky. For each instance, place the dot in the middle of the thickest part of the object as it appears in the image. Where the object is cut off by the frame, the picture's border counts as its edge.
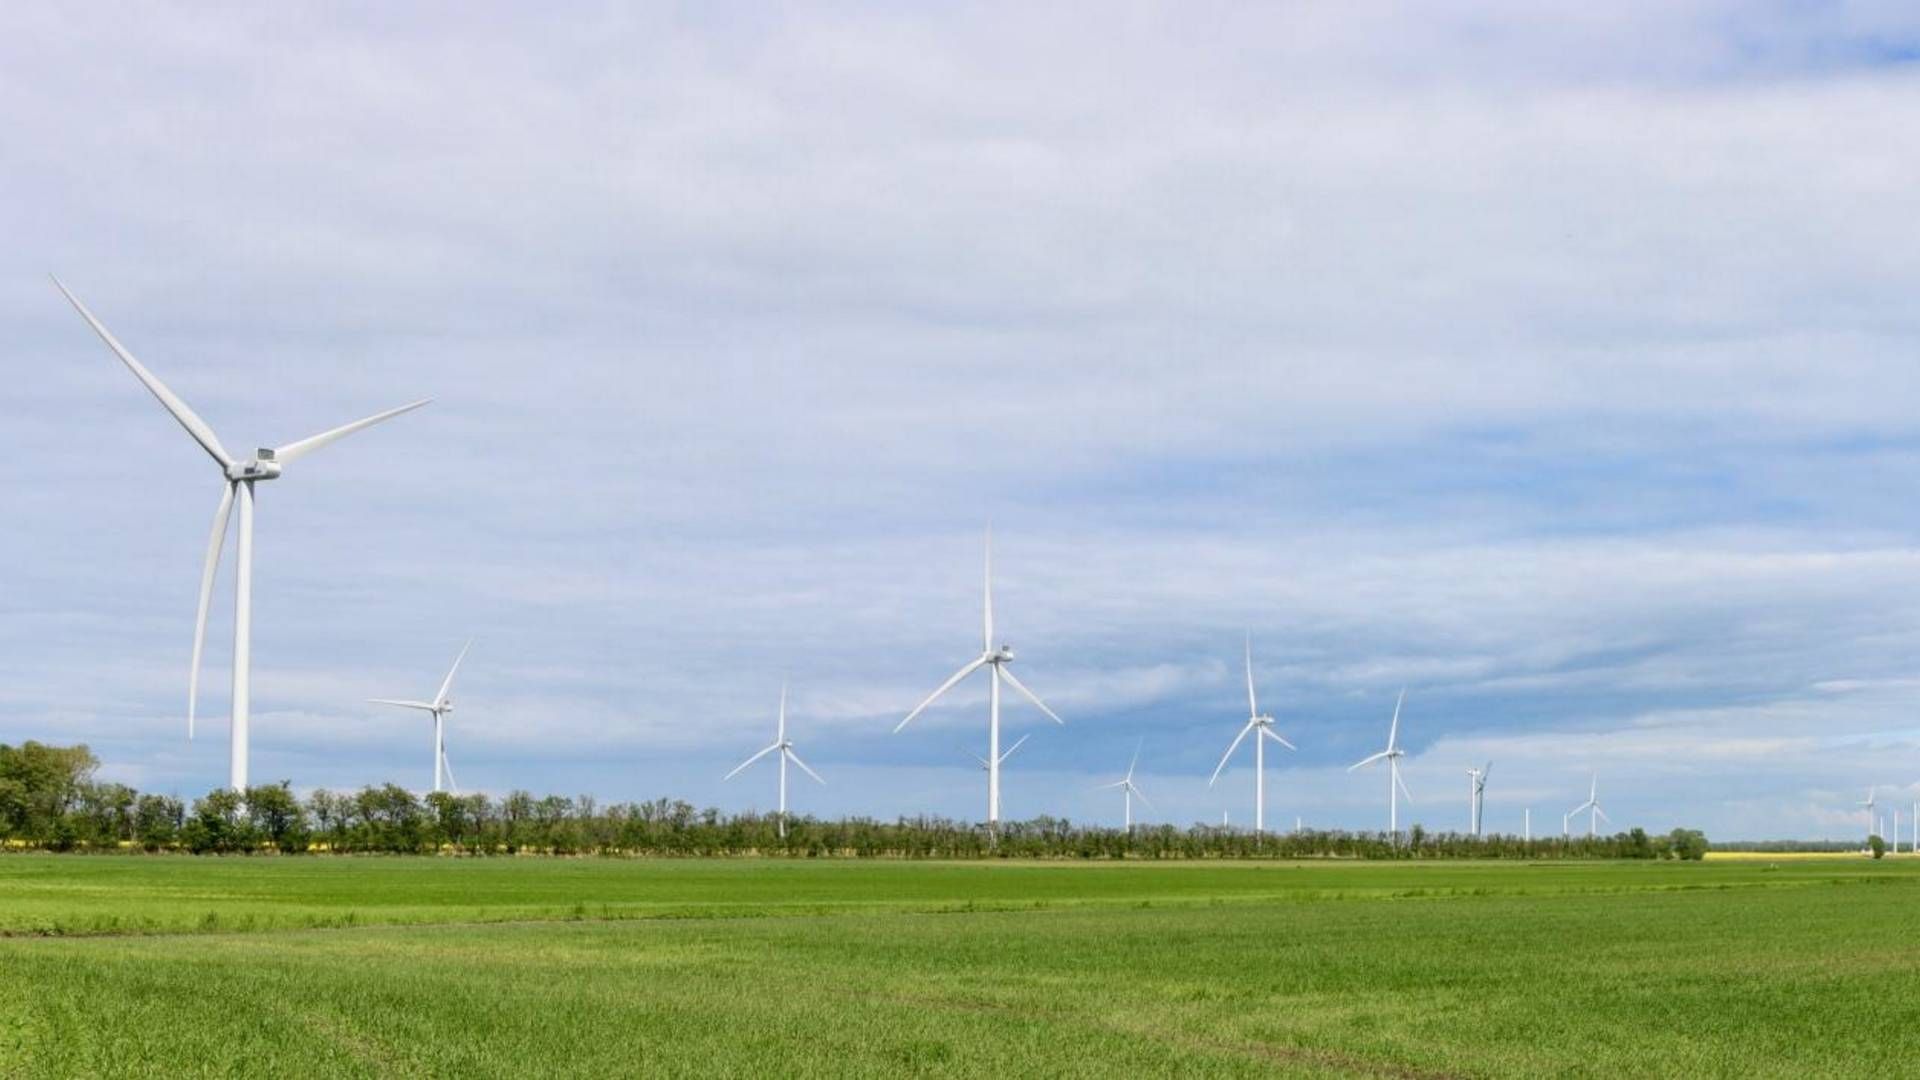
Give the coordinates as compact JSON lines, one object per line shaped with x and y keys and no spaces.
{"x":1558,"y":369}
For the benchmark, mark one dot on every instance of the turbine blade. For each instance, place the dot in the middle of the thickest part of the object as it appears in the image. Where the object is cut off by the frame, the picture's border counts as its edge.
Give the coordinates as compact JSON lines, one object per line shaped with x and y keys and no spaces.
{"x":1231,"y":747}
{"x":1366,"y":761}
{"x":783,"y":711}
{"x":1271,"y":734}
{"x":215,"y":543}
{"x":1603,"y":815}
{"x":297,"y":450}
{"x":1253,"y":705}
{"x":944,"y":687}
{"x":424,"y":706}
{"x":1393,"y":733}
{"x":446,"y":684}
{"x":978,"y":758}
{"x":1110,"y":787}
{"x":1136,"y":756}
{"x":986,"y":625}
{"x":182,"y":412}
{"x":446,"y":764}
{"x":1030,"y":695}
{"x":1008,"y":752}
{"x":1138,"y":794}
{"x":795,"y":758}
{"x":749,"y":761}
{"x":1403,"y":785}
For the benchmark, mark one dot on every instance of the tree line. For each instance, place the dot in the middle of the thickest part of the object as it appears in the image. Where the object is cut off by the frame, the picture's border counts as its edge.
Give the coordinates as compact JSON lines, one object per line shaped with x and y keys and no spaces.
{"x":50,"y":801}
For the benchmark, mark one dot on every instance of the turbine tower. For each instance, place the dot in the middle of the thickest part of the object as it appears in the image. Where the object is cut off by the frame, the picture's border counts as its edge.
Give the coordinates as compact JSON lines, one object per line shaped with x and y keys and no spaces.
{"x":785,"y":747}
{"x":1127,"y":786}
{"x":1264,"y":726}
{"x":1872,"y":822}
{"x":1391,"y":755}
{"x":995,"y":658}
{"x":1477,"y":797}
{"x":238,"y":478}
{"x":440,"y":706}
{"x":1592,"y":808}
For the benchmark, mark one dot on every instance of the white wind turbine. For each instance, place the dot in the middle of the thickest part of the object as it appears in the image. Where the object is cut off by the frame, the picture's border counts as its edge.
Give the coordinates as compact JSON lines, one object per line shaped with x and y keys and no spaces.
{"x":984,"y":767}
{"x":785,"y":747}
{"x":1127,"y":785}
{"x":1477,"y":796}
{"x":238,"y":478}
{"x":439,"y":707}
{"x":1595,"y":815}
{"x":1391,"y":755}
{"x":996,"y":659}
{"x":1871,"y":820}
{"x":1264,"y":726}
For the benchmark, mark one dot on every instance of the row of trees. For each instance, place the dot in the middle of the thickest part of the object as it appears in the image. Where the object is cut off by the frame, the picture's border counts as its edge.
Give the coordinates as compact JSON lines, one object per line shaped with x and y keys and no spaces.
{"x":49,"y":800}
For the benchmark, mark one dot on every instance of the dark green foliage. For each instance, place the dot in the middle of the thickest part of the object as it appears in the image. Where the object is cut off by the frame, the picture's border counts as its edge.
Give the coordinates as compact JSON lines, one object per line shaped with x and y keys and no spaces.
{"x":48,"y":800}
{"x":1877,"y":845}
{"x":1687,"y":844}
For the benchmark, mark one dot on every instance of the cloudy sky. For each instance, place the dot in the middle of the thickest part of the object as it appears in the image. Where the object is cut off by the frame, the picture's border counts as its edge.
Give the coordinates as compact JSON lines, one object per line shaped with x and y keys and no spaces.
{"x":1560,"y":370}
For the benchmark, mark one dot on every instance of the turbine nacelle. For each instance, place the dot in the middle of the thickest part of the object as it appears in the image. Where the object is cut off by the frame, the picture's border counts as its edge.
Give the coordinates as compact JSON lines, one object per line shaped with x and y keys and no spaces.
{"x":1001,"y":655}
{"x":262,"y":467}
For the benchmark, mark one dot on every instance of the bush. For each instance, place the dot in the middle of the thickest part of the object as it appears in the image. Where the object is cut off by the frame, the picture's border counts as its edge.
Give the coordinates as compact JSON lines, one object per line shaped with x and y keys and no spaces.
{"x":1877,"y":845}
{"x":1687,"y":844}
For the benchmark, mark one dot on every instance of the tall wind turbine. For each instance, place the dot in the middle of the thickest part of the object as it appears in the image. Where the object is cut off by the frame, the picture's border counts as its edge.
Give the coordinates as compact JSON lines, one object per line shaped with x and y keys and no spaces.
{"x":995,"y":658}
{"x":1391,"y":755}
{"x":784,"y":746}
{"x":1592,"y":807}
{"x":1871,"y":820}
{"x":1127,"y":785}
{"x":1477,"y":796}
{"x":1263,"y":725}
{"x":440,"y":706}
{"x":238,"y":478}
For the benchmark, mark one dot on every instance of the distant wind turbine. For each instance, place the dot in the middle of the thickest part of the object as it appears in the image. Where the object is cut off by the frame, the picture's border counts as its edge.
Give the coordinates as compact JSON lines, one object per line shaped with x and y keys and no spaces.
{"x":238,"y":478}
{"x":995,"y":658}
{"x":984,"y":767}
{"x":440,"y":706}
{"x":1263,"y":726}
{"x":1477,"y":796}
{"x":1391,"y":755}
{"x":784,"y":746}
{"x":1871,"y":820}
{"x":1126,"y":784}
{"x":1592,"y":807}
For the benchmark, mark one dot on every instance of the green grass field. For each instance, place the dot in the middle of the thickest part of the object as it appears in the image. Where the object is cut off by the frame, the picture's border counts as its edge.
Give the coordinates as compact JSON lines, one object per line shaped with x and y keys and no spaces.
{"x":403,"y":967}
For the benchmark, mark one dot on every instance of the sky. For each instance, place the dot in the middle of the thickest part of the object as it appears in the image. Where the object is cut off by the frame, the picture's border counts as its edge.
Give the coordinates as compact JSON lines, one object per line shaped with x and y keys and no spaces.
{"x":1556,"y":366}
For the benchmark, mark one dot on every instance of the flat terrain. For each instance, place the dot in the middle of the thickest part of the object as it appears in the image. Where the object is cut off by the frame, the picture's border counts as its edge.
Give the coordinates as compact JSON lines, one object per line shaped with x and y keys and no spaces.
{"x":174,"y":966}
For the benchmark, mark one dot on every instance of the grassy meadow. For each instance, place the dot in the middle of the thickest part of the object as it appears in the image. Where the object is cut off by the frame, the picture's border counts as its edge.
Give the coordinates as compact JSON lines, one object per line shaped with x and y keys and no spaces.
{"x":516,"y":967}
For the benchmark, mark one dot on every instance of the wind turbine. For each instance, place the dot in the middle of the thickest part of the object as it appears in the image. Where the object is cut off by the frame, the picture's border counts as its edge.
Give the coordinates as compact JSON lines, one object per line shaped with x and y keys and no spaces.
{"x":785,"y":746}
{"x":1264,"y":726}
{"x":996,"y":658}
{"x":440,"y":706}
{"x":1392,"y":755}
{"x":1127,"y":785}
{"x":984,"y":767}
{"x":1592,"y":807}
{"x":238,"y":478}
{"x":1870,"y":818}
{"x":1477,"y":795}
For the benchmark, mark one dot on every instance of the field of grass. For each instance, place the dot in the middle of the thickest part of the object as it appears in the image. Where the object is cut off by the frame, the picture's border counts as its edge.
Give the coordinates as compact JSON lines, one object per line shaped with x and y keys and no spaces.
{"x":393,"y":967}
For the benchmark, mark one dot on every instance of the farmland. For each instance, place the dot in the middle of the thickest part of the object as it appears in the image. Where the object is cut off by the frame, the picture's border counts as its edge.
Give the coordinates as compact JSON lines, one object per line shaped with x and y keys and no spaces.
{"x":393,"y":966}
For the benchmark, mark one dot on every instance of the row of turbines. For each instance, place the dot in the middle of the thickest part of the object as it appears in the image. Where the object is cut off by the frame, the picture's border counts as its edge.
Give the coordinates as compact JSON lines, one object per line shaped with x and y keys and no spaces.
{"x":238,"y":480}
